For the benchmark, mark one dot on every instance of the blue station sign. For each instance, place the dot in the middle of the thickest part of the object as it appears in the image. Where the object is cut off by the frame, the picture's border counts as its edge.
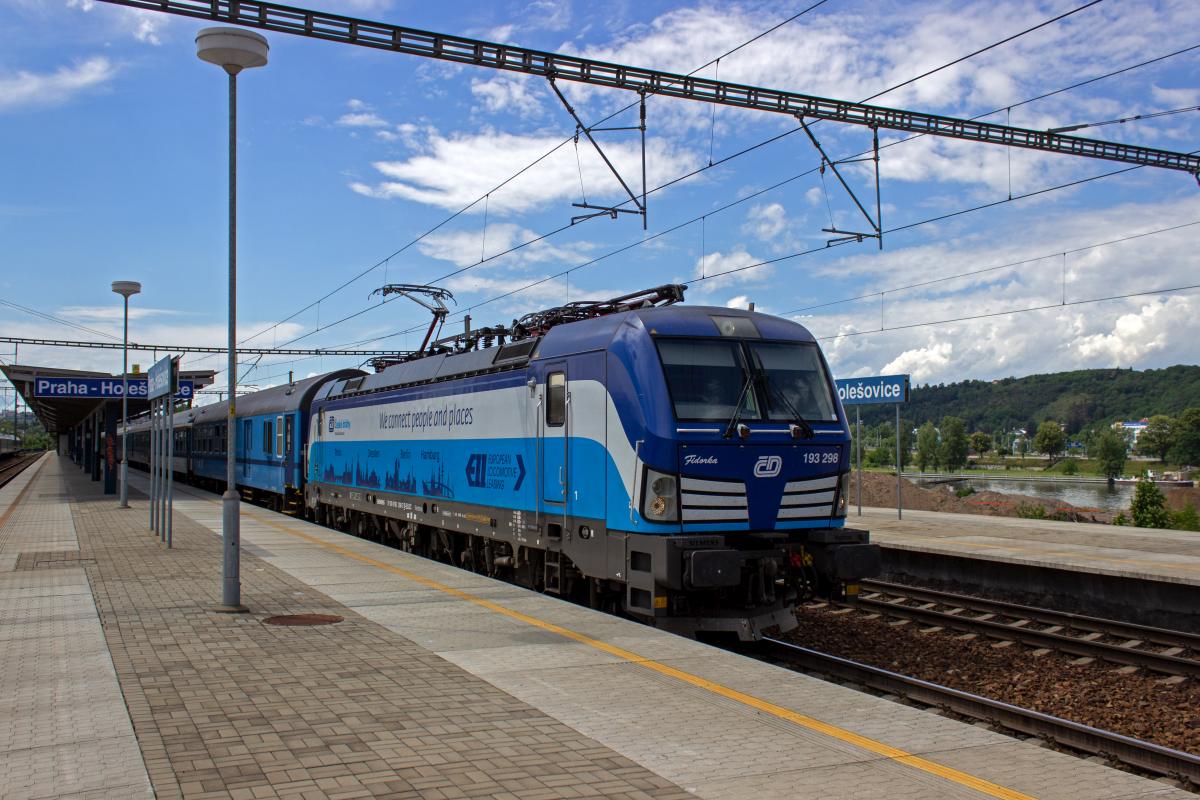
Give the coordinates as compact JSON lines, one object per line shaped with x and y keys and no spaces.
{"x":99,"y":388}
{"x":160,"y":377}
{"x":875,"y":389}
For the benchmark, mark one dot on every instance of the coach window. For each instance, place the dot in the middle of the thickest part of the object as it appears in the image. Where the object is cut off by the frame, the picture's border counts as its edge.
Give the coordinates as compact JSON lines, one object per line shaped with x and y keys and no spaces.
{"x":279,"y":436}
{"x":268,"y":437}
{"x":556,"y":398}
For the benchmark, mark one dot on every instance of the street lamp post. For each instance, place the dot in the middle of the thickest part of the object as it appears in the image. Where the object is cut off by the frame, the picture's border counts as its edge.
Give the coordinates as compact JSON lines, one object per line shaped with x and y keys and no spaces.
{"x":126,"y":289}
{"x":232,"y":49}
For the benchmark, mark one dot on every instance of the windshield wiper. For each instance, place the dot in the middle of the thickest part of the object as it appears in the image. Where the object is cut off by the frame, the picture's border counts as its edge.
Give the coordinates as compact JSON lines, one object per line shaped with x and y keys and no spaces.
{"x":737,"y":411}
{"x":765,"y":376}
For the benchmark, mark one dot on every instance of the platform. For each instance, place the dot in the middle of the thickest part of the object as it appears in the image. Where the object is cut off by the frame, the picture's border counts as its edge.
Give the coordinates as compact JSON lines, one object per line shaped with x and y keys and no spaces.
{"x":1139,"y":574}
{"x":438,"y":684}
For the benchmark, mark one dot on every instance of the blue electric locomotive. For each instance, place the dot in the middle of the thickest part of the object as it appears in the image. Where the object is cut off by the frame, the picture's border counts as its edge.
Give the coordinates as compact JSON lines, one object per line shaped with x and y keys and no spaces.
{"x":687,"y":465}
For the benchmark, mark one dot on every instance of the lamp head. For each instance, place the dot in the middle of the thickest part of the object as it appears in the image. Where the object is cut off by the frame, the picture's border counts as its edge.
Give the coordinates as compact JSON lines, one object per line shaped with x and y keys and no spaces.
{"x":126,"y":288}
{"x":232,"y":49}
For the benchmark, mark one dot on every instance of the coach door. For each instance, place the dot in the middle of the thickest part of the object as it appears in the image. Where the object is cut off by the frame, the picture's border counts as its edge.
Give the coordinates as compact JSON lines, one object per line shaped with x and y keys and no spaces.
{"x":245,"y":445}
{"x":553,"y":441}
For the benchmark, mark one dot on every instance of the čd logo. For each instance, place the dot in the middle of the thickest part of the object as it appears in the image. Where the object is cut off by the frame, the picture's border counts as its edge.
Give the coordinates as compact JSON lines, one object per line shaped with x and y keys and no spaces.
{"x":767,"y":466}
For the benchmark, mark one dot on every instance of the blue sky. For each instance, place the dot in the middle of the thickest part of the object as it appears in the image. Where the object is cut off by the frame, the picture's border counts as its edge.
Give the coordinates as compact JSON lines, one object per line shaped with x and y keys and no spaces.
{"x":112,"y":159}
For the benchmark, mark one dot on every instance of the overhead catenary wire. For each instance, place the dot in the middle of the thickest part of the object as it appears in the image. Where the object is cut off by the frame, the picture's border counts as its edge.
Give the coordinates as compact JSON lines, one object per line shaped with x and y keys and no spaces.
{"x":555,"y":231}
{"x":995,"y":268}
{"x":1070,"y":87}
{"x":1011,"y":311}
{"x":520,"y":172}
{"x":1123,"y":120}
{"x":811,"y":251}
{"x":1063,"y":302}
{"x":59,"y":320}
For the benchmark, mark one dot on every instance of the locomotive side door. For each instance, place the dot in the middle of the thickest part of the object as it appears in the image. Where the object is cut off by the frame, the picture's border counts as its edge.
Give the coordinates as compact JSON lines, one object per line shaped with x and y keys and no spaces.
{"x":553,"y":441}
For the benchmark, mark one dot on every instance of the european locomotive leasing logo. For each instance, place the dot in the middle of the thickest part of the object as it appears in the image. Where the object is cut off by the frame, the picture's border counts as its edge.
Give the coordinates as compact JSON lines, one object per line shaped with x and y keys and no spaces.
{"x":767,"y":466}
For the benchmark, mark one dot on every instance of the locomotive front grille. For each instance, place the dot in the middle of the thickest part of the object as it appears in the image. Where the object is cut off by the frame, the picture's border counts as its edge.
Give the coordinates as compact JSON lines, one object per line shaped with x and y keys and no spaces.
{"x":713,"y":501}
{"x":808,"y":499}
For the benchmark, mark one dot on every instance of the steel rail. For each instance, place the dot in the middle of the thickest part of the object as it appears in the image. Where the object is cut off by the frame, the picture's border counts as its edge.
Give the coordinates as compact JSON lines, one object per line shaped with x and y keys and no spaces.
{"x":1117,"y":654}
{"x":1045,"y":616}
{"x":1142,"y":755}
{"x":187,"y":348}
{"x":463,"y":50}
{"x":20,"y":464}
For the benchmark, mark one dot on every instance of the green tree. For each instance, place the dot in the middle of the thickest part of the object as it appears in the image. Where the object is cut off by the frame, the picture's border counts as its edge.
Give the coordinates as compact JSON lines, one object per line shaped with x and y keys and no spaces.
{"x":1149,"y":507}
{"x":927,"y":447}
{"x":1050,"y":439}
{"x":1108,"y":448}
{"x":981,"y":442}
{"x":1157,"y":438}
{"x":953,"y":451}
{"x":1186,"y":449}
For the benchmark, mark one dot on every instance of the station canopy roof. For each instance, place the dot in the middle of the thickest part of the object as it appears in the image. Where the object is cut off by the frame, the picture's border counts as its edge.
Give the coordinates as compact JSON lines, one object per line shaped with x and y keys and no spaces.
{"x":62,"y":398}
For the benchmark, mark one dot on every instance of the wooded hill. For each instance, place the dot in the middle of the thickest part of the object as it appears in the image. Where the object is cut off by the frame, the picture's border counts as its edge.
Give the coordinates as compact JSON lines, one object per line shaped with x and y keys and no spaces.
{"x":1077,"y":399}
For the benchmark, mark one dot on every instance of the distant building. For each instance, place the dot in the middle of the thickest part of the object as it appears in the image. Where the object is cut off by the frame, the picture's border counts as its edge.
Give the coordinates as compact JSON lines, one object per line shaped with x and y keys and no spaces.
{"x":1131,"y":429}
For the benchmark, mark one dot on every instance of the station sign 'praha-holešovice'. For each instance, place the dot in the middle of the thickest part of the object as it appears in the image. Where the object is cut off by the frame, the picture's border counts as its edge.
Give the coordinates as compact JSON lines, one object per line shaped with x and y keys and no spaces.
{"x":875,"y":389}
{"x":99,"y":388}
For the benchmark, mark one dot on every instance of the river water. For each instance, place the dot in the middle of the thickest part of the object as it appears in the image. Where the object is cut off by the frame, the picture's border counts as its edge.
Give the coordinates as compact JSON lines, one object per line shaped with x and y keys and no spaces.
{"x":1084,"y":495}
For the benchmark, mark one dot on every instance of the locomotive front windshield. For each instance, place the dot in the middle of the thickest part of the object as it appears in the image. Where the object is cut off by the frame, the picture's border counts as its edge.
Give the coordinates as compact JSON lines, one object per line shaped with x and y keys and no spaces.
{"x":706,"y":376}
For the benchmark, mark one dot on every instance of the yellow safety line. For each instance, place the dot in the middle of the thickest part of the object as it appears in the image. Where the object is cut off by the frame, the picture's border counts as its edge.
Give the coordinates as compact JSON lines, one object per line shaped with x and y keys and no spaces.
{"x":767,"y":707}
{"x":21,"y":495}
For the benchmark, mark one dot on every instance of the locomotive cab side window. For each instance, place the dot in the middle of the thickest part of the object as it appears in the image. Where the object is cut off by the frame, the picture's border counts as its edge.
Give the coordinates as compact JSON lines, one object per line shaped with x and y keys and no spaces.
{"x":556,"y":398}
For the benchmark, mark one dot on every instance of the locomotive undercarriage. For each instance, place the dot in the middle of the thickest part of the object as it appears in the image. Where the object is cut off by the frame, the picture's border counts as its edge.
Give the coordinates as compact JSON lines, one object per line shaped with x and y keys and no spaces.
{"x":741,"y":583}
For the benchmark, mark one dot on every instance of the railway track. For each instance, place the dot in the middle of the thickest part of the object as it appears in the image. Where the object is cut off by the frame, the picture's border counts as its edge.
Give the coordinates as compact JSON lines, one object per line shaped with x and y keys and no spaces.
{"x":14,"y":465}
{"x":1154,"y":649}
{"x":1134,"y":753}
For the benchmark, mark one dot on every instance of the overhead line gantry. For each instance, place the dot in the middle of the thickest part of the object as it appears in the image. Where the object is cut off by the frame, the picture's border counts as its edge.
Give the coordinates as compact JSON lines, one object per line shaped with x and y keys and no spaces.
{"x":188,"y":348}
{"x":556,"y":66}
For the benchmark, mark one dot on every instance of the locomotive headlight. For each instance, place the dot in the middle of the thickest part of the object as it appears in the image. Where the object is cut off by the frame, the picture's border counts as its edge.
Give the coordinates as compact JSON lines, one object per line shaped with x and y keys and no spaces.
{"x":658,"y":503}
{"x":843,"y":492}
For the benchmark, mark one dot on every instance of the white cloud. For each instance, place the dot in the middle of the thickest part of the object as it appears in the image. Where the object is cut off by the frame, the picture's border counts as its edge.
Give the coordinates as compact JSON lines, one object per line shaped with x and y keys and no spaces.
{"x":159,"y":326}
{"x":24,"y":89}
{"x":770,"y":224}
{"x":765,"y":221}
{"x":1142,"y":333}
{"x":115,"y":313}
{"x":1150,"y":331}
{"x":1175,"y":98}
{"x":455,"y":170}
{"x":500,"y":33}
{"x":507,"y":94}
{"x":143,"y":25}
{"x":463,"y":248}
{"x":843,"y":54}
{"x":362,"y":119}
{"x":718,"y":263}
{"x":924,"y":363}
{"x":548,"y":15}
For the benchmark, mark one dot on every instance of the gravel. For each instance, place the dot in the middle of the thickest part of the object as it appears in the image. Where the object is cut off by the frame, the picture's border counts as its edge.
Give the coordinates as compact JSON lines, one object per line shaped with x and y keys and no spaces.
{"x":1137,"y":705}
{"x":879,"y":490}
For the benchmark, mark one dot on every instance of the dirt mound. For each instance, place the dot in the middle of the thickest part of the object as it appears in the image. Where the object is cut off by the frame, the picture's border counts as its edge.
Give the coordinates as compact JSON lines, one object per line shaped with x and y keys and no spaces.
{"x":1179,"y":498}
{"x":880,"y":490}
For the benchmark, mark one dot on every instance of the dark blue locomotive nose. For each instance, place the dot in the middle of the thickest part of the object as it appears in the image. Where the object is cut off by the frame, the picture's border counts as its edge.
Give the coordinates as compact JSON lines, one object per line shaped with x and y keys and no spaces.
{"x":764,"y":486}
